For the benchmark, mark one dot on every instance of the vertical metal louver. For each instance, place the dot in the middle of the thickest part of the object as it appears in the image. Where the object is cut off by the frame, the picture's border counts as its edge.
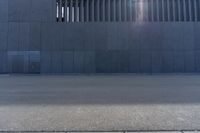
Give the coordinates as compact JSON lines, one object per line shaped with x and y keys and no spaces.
{"x":127,"y":10}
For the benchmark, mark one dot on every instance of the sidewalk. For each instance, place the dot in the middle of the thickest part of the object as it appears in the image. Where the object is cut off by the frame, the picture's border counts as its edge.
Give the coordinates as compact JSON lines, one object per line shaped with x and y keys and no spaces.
{"x":100,"y":103}
{"x":115,"y":132}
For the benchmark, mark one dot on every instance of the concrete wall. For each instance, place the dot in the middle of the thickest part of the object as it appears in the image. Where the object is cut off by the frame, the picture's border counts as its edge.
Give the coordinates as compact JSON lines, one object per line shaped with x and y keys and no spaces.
{"x":32,"y":42}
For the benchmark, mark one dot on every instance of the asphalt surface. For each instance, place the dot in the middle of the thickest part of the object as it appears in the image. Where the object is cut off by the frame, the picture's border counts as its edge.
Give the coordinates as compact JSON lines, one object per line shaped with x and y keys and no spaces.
{"x":100,"y":103}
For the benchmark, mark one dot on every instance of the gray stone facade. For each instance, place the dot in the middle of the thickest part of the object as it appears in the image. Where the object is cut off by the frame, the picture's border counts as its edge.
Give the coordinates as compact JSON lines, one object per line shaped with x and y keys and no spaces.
{"x":31,"y":41}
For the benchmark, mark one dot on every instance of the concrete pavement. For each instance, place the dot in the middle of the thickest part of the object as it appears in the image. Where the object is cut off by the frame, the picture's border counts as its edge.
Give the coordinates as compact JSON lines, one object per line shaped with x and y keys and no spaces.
{"x":110,"y":132}
{"x":100,"y":103}
{"x":118,"y":132}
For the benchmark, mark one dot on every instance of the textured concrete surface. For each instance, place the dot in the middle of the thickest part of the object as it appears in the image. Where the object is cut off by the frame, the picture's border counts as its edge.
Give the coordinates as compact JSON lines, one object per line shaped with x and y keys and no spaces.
{"x":117,"y":132}
{"x":99,"y":103}
{"x":112,"y":132}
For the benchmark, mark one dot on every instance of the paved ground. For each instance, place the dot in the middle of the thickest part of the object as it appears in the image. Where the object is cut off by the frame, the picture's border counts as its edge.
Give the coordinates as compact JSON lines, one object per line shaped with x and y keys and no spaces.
{"x":116,"y":132}
{"x":99,"y":103}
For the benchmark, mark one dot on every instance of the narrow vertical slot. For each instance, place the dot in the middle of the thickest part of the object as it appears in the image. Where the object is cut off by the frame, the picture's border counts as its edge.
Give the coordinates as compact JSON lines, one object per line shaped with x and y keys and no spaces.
{"x":78,"y":11}
{"x":187,"y":8}
{"x":176,"y":10}
{"x":57,"y":10}
{"x":155,"y":15}
{"x":149,"y":10}
{"x":166,"y":10}
{"x":128,"y":10}
{"x":63,"y":10}
{"x":160,"y":5}
{"x":193,"y":10}
{"x":73,"y":12}
{"x":145,"y":10}
{"x":182,"y":18}
{"x":68,"y":12}
{"x":198,"y":9}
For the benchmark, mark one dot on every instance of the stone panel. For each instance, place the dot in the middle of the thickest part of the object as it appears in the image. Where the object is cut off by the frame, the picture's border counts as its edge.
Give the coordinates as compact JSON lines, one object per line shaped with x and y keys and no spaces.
{"x":67,"y":61}
{"x":79,"y":61}
{"x":56,"y":62}
{"x":151,"y":36}
{"x":19,"y":10}
{"x":13,"y":36}
{"x":103,"y":61}
{"x":35,"y":37}
{"x":34,"y":62}
{"x":74,"y":36}
{"x":42,"y":11}
{"x":47,"y":37}
{"x":45,"y":62}
{"x":3,"y":62}
{"x":24,"y":36}
{"x":3,"y":10}
{"x":189,"y":61}
{"x":97,"y":36}
{"x":134,"y":61}
{"x":197,"y":61}
{"x":168,"y":62}
{"x":146,"y":62}
{"x":196,"y":36}
{"x":3,"y":36}
{"x":156,"y":62}
{"x":89,"y":62}
{"x":173,"y":38}
{"x":179,"y":66}
{"x":188,"y":36}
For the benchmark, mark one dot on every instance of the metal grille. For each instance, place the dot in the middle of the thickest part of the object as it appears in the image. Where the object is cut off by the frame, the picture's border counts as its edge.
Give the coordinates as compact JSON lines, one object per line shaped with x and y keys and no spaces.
{"x":127,"y":10}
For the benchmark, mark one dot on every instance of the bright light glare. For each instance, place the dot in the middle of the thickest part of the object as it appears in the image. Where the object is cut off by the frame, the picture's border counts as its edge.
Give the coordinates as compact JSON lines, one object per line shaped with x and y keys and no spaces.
{"x":140,"y":10}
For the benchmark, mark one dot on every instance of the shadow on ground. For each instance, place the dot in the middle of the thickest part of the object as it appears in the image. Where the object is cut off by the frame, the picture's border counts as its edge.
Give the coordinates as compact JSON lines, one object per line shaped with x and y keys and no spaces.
{"x":121,"y":89}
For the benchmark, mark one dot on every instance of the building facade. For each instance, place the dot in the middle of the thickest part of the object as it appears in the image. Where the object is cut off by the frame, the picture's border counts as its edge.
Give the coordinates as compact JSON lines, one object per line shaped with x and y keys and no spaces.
{"x":99,"y":36}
